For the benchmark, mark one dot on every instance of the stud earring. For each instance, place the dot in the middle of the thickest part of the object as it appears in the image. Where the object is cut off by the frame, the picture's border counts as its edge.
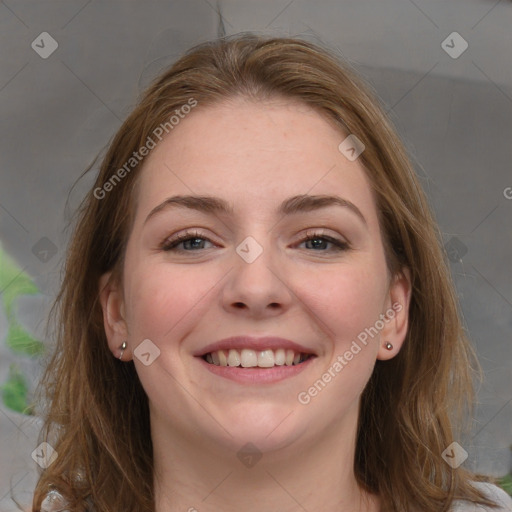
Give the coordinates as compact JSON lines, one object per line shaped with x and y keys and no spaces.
{"x":388,"y":346}
{"x":123,"y":347}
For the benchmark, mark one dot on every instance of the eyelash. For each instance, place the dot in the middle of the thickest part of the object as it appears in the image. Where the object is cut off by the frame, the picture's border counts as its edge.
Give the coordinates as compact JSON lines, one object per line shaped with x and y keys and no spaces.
{"x":170,"y":245}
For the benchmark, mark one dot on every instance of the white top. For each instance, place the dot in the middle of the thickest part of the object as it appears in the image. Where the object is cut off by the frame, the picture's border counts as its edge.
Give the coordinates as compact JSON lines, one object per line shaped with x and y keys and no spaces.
{"x":54,"y":501}
{"x":492,"y":492}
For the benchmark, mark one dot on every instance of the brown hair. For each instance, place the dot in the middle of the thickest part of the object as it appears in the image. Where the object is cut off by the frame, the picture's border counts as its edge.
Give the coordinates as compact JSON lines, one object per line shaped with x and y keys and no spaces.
{"x":98,"y":420}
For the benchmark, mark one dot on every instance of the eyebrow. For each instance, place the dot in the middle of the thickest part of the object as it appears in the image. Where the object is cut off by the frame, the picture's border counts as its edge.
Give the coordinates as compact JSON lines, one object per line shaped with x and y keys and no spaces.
{"x":292,"y":205}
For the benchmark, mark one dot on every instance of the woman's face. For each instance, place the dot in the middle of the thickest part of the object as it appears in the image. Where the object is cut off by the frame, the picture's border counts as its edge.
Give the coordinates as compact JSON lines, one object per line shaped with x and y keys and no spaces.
{"x":250,"y":271}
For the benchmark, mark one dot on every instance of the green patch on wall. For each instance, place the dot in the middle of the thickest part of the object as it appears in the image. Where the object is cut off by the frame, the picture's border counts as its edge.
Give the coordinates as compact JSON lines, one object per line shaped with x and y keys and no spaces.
{"x":14,"y":283}
{"x":15,"y":392}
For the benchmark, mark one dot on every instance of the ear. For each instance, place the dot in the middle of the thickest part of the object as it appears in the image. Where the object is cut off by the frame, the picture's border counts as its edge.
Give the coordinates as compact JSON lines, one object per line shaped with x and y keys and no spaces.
{"x":112,"y":303}
{"x":397,"y":314}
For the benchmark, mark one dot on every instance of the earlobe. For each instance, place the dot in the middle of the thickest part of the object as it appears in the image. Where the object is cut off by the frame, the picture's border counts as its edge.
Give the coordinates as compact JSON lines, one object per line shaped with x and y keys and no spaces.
{"x":112,"y":304}
{"x":393,"y":335}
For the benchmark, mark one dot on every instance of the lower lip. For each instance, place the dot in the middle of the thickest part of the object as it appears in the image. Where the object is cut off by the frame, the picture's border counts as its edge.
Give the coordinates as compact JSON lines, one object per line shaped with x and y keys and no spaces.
{"x":257,"y":375}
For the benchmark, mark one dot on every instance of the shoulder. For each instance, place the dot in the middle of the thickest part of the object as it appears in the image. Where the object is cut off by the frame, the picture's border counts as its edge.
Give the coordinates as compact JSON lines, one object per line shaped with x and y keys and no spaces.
{"x":492,"y":492}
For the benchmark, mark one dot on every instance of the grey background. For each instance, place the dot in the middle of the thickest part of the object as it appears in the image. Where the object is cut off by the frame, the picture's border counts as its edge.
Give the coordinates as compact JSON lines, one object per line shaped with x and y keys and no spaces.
{"x":455,"y":116}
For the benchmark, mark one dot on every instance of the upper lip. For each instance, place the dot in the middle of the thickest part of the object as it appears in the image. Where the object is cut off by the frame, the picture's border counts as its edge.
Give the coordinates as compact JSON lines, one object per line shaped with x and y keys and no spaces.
{"x":254,"y":343}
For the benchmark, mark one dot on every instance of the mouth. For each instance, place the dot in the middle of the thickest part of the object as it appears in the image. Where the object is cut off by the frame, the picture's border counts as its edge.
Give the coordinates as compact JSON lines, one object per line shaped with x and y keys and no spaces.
{"x":248,"y":358}
{"x":256,"y":367}
{"x":255,"y":360}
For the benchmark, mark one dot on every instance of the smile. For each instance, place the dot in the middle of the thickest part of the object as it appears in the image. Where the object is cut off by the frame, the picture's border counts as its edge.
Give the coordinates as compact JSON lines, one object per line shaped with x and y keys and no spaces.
{"x":248,"y":358}
{"x":253,"y":360}
{"x":256,"y":374}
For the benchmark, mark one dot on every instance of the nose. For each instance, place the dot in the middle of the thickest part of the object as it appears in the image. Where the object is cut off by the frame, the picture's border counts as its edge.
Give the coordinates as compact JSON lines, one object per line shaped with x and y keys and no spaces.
{"x":257,"y":288}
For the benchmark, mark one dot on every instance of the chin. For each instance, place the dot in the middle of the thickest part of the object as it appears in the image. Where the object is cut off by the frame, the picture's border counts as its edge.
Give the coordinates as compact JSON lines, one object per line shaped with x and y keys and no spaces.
{"x":268,"y":427}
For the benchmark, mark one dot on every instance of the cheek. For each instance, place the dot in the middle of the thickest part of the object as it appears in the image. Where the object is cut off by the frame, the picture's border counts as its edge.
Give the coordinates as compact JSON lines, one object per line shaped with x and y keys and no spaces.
{"x":346,"y":312}
{"x":163,"y":301}
{"x":348,"y":299}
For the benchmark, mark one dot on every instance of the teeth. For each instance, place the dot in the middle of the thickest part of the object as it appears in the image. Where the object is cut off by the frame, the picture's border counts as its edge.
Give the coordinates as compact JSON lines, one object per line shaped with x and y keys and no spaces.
{"x":266,"y":359}
{"x":222,"y":358}
{"x":280,"y":357}
{"x":233,"y":358}
{"x":249,"y":358}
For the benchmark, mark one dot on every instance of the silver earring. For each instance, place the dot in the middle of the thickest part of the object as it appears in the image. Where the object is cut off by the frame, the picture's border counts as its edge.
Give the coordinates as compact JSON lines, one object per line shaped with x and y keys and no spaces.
{"x":123,"y":347}
{"x":54,"y":501}
{"x":388,"y":346}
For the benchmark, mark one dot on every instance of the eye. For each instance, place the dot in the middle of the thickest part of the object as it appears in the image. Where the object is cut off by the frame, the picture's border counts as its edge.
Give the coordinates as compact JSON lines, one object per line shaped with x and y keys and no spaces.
{"x":196,"y":240}
{"x":339,"y":245}
{"x":189,"y":236}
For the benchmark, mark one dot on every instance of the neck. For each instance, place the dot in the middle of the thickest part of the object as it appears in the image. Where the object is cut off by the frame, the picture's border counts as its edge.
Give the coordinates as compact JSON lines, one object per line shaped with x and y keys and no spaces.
{"x":193,"y":475}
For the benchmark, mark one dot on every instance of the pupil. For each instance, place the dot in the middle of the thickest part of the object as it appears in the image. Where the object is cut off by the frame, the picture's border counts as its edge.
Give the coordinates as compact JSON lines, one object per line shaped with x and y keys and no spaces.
{"x":193,"y":241}
{"x":317,"y":242}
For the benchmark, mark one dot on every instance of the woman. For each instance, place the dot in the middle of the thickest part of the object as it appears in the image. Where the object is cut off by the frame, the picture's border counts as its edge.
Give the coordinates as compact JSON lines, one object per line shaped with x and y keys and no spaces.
{"x":256,"y":313}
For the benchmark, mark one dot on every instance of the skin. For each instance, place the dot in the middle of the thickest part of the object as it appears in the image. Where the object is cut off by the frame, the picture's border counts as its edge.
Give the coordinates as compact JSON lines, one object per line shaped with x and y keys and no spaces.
{"x":254,"y":155}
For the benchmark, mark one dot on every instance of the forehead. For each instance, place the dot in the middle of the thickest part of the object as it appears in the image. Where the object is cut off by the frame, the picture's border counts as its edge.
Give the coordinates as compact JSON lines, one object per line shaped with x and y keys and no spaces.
{"x":253,"y":154}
